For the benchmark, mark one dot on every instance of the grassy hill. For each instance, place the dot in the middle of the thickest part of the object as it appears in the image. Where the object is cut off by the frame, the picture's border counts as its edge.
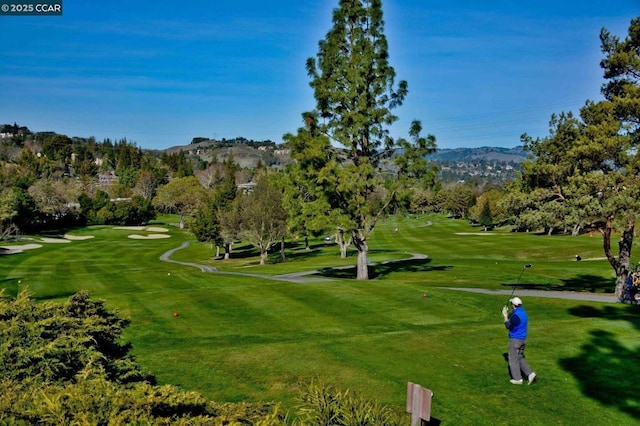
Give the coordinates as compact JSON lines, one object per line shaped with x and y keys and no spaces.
{"x":243,"y":334}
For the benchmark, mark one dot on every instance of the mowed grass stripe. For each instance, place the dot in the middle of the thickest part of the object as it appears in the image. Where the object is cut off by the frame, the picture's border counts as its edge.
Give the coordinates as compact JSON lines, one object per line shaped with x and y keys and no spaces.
{"x":245,"y":338}
{"x":440,"y":237}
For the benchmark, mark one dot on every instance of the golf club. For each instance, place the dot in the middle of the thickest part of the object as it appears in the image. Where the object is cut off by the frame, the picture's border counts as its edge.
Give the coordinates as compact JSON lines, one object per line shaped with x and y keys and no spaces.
{"x":528,"y":265}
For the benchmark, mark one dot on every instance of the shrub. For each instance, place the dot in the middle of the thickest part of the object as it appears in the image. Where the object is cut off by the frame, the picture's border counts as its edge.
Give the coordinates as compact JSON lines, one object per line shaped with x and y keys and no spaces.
{"x":63,"y":364}
{"x":324,"y":405}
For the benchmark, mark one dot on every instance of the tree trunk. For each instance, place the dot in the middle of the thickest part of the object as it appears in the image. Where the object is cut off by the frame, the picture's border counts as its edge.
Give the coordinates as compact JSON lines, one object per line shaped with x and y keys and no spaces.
{"x":217,"y":251}
{"x":341,"y":244}
{"x":282,"y":255}
{"x":620,"y":265}
{"x":227,"y":251}
{"x":576,"y":230}
{"x":362,"y":270}
{"x":263,"y":256}
{"x":306,"y":243}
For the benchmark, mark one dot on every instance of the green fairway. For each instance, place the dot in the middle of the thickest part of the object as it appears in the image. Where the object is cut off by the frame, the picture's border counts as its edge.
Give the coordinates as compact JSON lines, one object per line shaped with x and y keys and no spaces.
{"x":246,"y":337}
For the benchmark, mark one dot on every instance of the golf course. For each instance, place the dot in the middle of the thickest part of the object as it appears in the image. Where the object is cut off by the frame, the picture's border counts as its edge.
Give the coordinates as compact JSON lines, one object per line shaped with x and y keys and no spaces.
{"x":233,"y":330}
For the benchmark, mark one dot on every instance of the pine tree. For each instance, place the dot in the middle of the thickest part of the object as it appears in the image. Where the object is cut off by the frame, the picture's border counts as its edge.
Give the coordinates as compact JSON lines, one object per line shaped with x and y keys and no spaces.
{"x":355,"y":92}
{"x":486,"y":218}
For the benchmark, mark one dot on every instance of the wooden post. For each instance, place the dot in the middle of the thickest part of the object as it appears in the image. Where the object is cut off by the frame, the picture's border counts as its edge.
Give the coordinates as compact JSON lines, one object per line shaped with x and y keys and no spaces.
{"x":418,"y":403}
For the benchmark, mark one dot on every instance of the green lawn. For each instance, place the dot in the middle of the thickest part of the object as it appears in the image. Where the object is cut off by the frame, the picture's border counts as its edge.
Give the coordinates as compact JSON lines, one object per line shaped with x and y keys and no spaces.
{"x":250,"y":338}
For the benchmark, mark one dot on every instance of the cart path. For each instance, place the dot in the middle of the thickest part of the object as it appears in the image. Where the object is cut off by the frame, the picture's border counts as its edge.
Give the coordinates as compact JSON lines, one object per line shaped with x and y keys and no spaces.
{"x":308,"y":276}
{"x":297,"y":277}
{"x":166,"y":257}
{"x":573,"y":295}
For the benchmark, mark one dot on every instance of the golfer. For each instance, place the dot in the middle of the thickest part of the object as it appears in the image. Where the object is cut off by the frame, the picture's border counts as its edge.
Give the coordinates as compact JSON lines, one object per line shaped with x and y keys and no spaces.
{"x":517,"y":324}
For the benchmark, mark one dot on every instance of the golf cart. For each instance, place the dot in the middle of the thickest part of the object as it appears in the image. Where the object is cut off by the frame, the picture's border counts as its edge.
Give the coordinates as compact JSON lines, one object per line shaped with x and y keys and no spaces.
{"x":632,"y":287}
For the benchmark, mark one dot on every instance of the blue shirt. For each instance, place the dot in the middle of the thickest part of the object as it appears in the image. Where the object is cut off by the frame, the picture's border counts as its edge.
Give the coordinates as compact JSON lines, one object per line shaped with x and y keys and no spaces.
{"x":517,"y":324}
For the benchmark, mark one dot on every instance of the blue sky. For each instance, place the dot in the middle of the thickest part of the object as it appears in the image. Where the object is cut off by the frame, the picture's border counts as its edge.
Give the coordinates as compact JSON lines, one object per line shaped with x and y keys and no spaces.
{"x":159,"y":73}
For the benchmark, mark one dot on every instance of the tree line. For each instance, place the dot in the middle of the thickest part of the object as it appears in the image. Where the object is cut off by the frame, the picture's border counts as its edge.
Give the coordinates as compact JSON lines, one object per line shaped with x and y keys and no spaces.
{"x":347,"y":171}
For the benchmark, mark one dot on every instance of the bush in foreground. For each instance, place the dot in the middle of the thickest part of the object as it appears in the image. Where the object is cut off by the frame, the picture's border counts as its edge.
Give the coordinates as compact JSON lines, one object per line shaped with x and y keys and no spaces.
{"x":63,"y":364}
{"x":323,"y":404}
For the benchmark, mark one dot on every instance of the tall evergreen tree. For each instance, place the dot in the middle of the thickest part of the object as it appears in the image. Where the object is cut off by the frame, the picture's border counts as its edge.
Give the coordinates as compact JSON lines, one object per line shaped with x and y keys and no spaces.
{"x":613,"y":134}
{"x":355,"y":92}
{"x":486,"y":218}
{"x":309,"y":209}
{"x":588,"y":171}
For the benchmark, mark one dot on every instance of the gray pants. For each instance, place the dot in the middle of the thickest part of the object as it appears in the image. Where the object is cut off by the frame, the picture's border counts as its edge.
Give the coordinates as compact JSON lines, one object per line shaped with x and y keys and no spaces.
{"x":517,"y":363}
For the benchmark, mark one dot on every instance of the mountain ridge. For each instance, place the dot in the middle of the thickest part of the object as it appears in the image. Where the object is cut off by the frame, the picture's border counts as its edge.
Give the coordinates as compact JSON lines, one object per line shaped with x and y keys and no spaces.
{"x":487,"y":153}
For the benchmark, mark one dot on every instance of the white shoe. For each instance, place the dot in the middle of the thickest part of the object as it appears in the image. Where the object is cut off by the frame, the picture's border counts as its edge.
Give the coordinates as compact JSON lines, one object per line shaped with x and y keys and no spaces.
{"x":515,"y":382}
{"x":532,"y":377}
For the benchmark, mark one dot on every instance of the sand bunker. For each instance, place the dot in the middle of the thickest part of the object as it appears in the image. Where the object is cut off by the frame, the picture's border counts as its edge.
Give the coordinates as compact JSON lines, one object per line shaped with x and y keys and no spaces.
{"x":156,"y":229}
{"x":149,"y":237}
{"x":77,"y":237}
{"x":67,"y":238}
{"x":14,"y":249}
{"x":54,"y":240}
{"x":143,"y":228}
{"x":18,"y":249}
{"x":148,"y":229}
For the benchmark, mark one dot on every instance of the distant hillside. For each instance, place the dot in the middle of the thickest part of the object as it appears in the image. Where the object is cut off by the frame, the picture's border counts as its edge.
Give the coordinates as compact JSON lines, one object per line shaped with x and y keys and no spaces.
{"x":479,"y":165}
{"x":475,"y":165}
{"x":490,"y":154}
{"x":246,"y":153}
{"x":508,"y":155}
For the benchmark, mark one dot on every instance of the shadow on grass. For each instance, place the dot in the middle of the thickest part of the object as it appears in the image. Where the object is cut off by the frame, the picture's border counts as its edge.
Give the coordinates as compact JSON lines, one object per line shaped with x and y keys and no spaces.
{"x":293,"y":250}
{"x":11,"y":286}
{"x":244,"y":252}
{"x":605,"y":368}
{"x":301,"y":254}
{"x":581,"y":283}
{"x":53,"y":296}
{"x":383,"y":269}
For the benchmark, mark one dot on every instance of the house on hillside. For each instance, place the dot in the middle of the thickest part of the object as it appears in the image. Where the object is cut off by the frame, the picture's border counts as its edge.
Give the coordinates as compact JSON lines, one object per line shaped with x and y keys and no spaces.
{"x":246,"y":188}
{"x":107,"y":179}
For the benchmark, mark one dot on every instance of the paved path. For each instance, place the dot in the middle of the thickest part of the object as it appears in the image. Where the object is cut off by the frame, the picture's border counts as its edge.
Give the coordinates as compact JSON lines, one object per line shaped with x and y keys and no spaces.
{"x":166,"y":257}
{"x":298,"y":277}
{"x":574,"y":295}
{"x":313,"y":276}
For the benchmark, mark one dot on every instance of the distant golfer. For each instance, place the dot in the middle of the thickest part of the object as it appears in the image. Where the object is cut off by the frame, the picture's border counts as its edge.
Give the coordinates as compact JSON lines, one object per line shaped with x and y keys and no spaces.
{"x":517,"y":324}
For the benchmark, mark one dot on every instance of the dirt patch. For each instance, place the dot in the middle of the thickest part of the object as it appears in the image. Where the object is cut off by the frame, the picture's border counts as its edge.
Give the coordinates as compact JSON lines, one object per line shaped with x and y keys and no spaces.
{"x":149,"y":237}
